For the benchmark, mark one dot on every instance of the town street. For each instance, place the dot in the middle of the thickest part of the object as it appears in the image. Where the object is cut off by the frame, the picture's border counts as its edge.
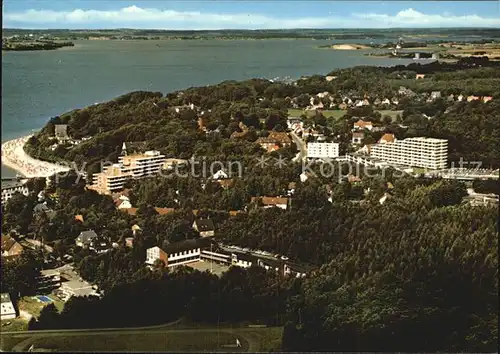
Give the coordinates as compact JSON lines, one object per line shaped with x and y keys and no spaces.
{"x":301,"y":145}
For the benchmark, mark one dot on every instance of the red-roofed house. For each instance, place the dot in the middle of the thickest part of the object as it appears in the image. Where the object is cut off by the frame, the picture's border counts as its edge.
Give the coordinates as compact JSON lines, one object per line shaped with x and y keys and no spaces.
{"x":269,"y":202}
{"x":387,"y":138}
{"x":361,"y":124}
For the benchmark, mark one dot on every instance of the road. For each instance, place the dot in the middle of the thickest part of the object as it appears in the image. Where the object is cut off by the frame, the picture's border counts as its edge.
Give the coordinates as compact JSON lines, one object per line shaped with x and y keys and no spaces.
{"x":301,"y":145}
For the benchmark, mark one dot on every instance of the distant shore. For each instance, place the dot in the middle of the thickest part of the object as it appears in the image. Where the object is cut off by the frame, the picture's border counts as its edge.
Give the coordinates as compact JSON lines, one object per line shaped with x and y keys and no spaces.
{"x":14,"y":157}
{"x":14,"y":46}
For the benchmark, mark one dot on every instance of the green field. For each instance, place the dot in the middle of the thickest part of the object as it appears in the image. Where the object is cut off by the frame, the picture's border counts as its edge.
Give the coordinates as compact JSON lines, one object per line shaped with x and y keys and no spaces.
{"x":176,"y":340}
{"x":336,"y":114}
{"x":33,"y":306}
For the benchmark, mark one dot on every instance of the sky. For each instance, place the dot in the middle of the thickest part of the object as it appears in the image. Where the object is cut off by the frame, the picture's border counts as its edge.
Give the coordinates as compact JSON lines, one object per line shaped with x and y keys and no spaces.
{"x":240,"y":14}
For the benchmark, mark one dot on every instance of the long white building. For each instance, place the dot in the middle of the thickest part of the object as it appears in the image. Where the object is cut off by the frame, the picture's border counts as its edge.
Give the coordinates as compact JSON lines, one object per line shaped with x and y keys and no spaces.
{"x":416,"y":152}
{"x":9,"y":187}
{"x":322,"y":150}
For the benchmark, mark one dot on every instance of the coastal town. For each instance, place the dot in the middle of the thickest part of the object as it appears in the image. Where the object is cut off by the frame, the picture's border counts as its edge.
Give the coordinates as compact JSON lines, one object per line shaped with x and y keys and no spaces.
{"x":342,"y":211}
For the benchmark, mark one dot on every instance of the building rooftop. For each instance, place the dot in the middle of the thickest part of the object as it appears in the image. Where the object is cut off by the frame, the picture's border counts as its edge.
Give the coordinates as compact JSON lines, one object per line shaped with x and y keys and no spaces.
{"x":4,"y":297}
{"x":13,"y":183}
{"x":270,"y":200}
{"x":186,"y":245}
{"x":205,"y":225}
{"x":422,"y":138}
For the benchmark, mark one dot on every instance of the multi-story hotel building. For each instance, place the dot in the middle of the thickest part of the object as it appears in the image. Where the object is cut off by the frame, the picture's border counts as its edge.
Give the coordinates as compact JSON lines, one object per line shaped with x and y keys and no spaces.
{"x":416,"y":152}
{"x":113,"y":178}
{"x":141,"y":165}
{"x":322,"y":150}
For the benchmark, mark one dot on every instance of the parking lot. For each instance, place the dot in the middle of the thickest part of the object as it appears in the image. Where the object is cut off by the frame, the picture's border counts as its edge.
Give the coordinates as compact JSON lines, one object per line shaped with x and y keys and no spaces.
{"x":212,"y":267}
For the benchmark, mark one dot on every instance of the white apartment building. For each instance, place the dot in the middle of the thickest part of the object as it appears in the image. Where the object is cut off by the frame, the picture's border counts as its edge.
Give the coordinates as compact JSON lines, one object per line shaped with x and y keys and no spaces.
{"x":113,"y":178}
{"x":141,"y":165}
{"x":11,"y":187}
{"x":416,"y":152}
{"x":322,"y":150}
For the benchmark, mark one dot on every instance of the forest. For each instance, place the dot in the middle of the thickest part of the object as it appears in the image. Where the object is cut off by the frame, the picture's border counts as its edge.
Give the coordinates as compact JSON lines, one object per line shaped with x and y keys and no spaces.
{"x":418,"y":272}
{"x":383,"y":272}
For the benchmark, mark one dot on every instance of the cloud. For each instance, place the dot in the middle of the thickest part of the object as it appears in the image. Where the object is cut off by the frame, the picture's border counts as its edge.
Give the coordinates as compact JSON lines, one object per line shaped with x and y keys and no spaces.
{"x":412,"y":18}
{"x":136,"y":17}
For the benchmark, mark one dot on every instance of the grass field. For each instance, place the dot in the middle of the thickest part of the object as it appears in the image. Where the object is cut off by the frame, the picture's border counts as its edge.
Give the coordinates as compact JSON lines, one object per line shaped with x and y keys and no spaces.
{"x":173,"y":340}
{"x":147,"y":342}
{"x":33,"y":306}
{"x":17,"y":324}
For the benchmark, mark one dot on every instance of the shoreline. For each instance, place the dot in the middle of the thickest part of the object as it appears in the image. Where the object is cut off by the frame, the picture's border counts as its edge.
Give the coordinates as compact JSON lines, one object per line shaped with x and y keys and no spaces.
{"x":15,"y":158}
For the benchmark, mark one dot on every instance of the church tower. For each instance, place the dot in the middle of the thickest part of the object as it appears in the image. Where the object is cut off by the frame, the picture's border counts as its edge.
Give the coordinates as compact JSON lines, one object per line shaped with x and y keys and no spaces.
{"x":124,"y":149}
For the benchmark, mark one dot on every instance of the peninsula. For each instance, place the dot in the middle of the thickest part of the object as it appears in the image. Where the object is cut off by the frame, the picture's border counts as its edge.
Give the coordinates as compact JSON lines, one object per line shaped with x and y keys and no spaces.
{"x":13,"y":45}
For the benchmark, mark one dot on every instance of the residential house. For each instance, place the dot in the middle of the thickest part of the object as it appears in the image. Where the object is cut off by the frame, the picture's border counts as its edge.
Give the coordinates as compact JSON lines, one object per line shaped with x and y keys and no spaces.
{"x":294,"y":123}
{"x":10,"y":247}
{"x":384,"y":198}
{"x":135,"y":229}
{"x":361,"y":124}
{"x":79,"y":218}
{"x":202,"y":124}
{"x":7,"y":309}
{"x":226,"y":183}
{"x":205,"y":227}
{"x":435,"y":95}
{"x":61,"y":132}
{"x":472,"y":98}
{"x":274,"y":141}
{"x":353,"y":179}
{"x":85,"y":238}
{"x":377,"y":102}
{"x":271,"y":202}
{"x":357,"y":137}
{"x":460,"y":98}
{"x":387,"y":138}
{"x":419,"y":76}
{"x":330,"y":78}
{"x":304,"y":176}
{"x":487,"y":99}
{"x":123,"y":202}
{"x":99,"y":244}
{"x":291,"y":188}
{"x":386,"y":101}
{"x":129,"y":242}
{"x":221,"y":174}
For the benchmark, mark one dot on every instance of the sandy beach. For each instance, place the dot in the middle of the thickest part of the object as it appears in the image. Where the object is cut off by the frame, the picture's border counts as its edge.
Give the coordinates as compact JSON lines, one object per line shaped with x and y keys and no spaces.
{"x":14,"y":156}
{"x":349,"y":46}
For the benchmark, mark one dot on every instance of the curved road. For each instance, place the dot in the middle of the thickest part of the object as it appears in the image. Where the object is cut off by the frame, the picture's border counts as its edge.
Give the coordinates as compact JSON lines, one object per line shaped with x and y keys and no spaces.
{"x":301,"y":145}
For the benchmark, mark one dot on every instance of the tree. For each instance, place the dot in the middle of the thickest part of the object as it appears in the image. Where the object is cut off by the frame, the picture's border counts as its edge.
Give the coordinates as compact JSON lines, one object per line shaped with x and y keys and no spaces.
{"x":49,"y":317}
